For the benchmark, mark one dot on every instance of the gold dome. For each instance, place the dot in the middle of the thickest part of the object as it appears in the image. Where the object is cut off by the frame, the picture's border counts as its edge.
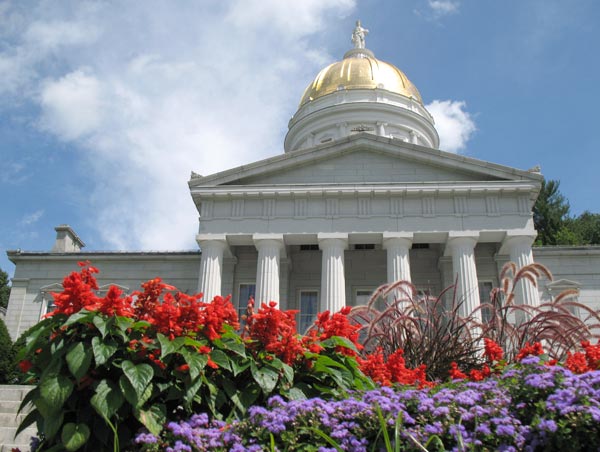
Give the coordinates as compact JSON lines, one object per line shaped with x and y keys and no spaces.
{"x":360,"y":70}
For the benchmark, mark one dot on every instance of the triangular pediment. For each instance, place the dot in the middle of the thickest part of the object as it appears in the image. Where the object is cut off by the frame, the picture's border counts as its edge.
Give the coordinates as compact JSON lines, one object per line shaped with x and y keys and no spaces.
{"x":365,"y":158}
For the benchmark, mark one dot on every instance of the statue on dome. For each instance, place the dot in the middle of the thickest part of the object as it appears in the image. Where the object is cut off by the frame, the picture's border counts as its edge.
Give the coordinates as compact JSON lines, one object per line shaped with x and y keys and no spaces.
{"x":358,"y":36}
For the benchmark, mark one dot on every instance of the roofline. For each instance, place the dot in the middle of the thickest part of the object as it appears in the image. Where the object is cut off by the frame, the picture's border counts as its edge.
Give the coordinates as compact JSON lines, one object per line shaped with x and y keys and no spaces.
{"x":18,"y":255}
{"x":352,"y":141}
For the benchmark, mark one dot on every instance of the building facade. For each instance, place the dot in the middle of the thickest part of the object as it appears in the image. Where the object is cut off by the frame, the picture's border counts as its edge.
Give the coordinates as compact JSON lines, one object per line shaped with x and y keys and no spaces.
{"x":361,"y":196}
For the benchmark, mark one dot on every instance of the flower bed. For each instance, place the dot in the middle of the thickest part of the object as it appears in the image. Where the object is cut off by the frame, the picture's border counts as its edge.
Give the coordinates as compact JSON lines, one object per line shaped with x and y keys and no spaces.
{"x":106,"y":367}
{"x":530,"y":406}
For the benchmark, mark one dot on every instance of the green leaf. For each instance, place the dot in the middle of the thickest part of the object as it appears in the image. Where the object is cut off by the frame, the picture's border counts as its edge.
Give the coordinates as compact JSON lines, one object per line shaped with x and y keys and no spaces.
{"x":265,"y":376}
{"x":74,"y":435}
{"x":139,"y":376}
{"x":196,"y":361}
{"x":51,"y":425}
{"x":221,"y":359}
{"x":238,"y":365}
{"x":131,"y":396}
{"x":78,"y":360}
{"x":102,"y":350}
{"x":107,"y":399}
{"x":235,"y":345}
{"x":153,"y":418}
{"x":191,"y":391}
{"x":55,"y":390}
{"x":33,"y":416}
{"x":168,"y":346}
{"x":101,"y":325}
{"x":296,"y":394}
{"x":83,"y":316}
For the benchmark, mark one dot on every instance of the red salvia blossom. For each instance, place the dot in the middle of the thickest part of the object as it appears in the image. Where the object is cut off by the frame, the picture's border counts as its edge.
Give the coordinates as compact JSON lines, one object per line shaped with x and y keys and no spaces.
{"x":374,"y":367}
{"x":393,"y":370}
{"x":78,"y":292}
{"x":215,"y":314}
{"x":577,"y":362}
{"x":592,"y":354}
{"x":25,"y":365}
{"x":455,"y":372}
{"x":478,"y":375}
{"x":493,"y":352}
{"x":276,"y":331}
{"x":338,"y":324}
{"x":530,"y":350}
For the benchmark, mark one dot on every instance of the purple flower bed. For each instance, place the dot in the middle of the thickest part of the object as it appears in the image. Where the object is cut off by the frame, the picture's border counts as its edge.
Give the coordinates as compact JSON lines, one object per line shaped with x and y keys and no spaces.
{"x":529,"y":407}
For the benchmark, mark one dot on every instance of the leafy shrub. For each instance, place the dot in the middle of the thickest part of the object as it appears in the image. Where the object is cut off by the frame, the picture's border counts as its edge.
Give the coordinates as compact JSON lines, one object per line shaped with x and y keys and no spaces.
{"x":106,"y":366}
{"x":6,"y":355}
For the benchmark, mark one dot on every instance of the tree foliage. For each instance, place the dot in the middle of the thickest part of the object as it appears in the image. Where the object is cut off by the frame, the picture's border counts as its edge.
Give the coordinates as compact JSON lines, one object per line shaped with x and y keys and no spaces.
{"x":4,"y":289}
{"x":554,"y":224}
{"x":6,"y":355}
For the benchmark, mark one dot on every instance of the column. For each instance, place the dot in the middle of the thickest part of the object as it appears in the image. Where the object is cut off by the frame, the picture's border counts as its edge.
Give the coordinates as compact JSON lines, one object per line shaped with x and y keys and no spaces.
{"x":211,"y":264}
{"x":519,"y":248}
{"x":398,"y":262}
{"x":333,"y":281}
{"x":269,"y":248}
{"x":462,"y":249}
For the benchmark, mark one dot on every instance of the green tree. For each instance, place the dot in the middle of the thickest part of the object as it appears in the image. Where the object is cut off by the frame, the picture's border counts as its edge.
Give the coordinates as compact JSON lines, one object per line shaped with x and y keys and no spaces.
{"x":4,"y":289}
{"x":6,"y":355}
{"x":550,"y":215}
{"x":587,"y":228}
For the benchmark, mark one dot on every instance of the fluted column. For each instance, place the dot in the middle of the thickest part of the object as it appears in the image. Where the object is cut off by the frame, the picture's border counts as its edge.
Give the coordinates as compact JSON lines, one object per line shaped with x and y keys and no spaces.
{"x":398,"y":261}
{"x":211,"y":264}
{"x":269,"y":248}
{"x":519,"y":248}
{"x":462,"y":249}
{"x":333,"y":281}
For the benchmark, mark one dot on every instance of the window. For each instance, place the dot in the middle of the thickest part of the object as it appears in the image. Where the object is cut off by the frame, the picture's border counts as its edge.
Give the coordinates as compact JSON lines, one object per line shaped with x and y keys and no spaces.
{"x":362,"y":297}
{"x":309,"y":247}
{"x":309,"y":303}
{"x":47,"y":299}
{"x":247,"y":290}
{"x":485,"y":288}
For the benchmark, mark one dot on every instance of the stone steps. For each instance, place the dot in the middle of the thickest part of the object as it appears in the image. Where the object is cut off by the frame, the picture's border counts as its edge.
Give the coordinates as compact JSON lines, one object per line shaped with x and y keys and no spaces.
{"x":10,"y":400}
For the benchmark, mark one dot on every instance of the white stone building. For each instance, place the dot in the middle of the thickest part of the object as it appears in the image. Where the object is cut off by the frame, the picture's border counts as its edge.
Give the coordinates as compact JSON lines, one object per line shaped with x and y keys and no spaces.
{"x":361,"y":196}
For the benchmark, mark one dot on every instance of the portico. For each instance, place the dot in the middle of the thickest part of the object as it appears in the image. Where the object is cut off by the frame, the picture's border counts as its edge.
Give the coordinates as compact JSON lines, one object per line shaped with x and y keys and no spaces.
{"x":340,"y":267}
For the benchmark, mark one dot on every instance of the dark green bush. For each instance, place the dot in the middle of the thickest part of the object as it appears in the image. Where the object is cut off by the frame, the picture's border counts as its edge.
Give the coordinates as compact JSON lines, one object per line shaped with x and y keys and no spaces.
{"x":6,"y":355}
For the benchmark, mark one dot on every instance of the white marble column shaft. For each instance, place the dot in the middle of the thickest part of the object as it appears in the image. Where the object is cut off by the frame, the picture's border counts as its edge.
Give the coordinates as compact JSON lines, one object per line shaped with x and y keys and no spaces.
{"x":269,"y":249}
{"x":398,"y":259}
{"x":211,"y":267}
{"x":465,"y":271}
{"x":519,"y":248}
{"x":333,"y":281}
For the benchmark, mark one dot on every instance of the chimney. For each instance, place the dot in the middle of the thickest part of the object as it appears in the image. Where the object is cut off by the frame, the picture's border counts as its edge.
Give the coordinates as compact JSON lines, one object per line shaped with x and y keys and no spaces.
{"x":67,"y":241}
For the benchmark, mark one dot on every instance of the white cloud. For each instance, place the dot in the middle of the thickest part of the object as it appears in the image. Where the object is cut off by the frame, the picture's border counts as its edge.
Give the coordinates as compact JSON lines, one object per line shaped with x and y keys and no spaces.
{"x":32,"y":218}
{"x":437,"y":9}
{"x":454,"y":124}
{"x":443,"y":7}
{"x":71,"y":106}
{"x":145,"y":93}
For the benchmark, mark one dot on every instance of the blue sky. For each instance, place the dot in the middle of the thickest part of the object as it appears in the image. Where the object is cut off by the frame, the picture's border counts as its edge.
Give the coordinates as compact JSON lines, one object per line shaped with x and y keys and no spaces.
{"x":106,"y":108}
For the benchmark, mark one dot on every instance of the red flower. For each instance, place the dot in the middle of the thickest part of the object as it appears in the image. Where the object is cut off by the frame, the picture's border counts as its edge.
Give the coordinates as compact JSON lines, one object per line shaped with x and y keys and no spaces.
{"x":25,"y":365}
{"x":493,"y":352}
{"x":78,"y":292}
{"x":577,"y":363}
{"x":375,"y":368}
{"x":592,"y":354}
{"x":455,"y":373}
{"x":530,"y":350}
{"x":478,"y":375}
{"x":183,"y":368}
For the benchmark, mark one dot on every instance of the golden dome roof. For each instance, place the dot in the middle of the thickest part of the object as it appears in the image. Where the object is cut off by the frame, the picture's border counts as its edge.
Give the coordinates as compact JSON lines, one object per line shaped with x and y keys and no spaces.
{"x":360,"y":70}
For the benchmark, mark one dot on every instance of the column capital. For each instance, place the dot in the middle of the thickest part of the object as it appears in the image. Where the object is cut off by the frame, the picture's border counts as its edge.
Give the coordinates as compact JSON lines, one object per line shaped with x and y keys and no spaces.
{"x":325,"y":238}
{"x":460,"y":238}
{"x":262,"y":240}
{"x":217,"y":238}
{"x":397,"y":238}
{"x":514,"y":238}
